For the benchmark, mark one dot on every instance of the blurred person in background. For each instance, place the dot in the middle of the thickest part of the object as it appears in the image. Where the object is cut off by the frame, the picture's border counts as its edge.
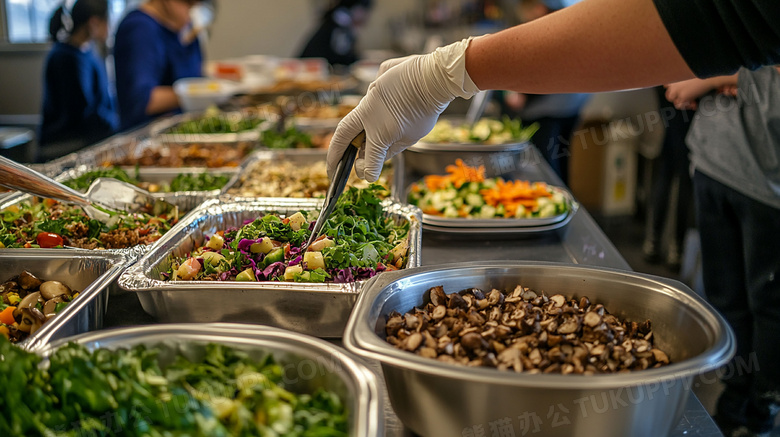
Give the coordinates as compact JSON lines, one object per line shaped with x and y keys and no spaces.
{"x":78,"y":109}
{"x":154,"y":47}
{"x":336,"y":37}
{"x":557,"y":114}
{"x":735,"y":145}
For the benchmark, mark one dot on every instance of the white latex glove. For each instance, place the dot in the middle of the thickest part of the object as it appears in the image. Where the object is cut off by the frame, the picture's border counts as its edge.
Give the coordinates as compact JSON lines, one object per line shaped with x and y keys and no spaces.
{"x":401,"y":106}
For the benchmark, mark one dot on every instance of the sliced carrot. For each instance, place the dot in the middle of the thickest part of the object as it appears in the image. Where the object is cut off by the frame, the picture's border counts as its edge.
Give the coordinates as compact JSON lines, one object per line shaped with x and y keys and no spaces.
{"x":7,"y":316}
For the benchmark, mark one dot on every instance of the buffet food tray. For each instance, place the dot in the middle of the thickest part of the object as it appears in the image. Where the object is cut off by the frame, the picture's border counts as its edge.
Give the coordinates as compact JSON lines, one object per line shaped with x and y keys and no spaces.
{"x":185,"y":200}
{"x":335,"y":371}
{"x":301,"y":157}
{"x":131,"y":254}
{"x":319,"y":309}
{"x":646,"y":403}
{"x":161,"y":131}
{"x":422,"y":146}
{"x":89,"y":272}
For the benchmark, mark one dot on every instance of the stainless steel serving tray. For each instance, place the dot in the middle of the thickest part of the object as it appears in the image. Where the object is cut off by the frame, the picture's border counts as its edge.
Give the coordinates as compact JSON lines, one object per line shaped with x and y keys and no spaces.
{"x":438,"y":399}
{"x":316,"y":309}
{"x":89,"y":272}
{"x":298,"y":355}
{"x":443,"y":224}
{"x":422,"y":146}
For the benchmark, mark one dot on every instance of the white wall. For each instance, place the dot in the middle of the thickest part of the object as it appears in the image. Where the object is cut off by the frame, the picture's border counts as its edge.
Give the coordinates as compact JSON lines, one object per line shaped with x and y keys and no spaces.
{"x":267,"y":27}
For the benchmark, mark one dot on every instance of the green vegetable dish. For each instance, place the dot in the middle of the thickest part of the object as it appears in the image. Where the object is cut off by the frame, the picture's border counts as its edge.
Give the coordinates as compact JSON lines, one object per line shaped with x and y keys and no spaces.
{"x":182,"y":182}
{"x":359,"y":240}
{"x":128,"y":392}
{"x":216,"y":124}
{"x":484,"y":131}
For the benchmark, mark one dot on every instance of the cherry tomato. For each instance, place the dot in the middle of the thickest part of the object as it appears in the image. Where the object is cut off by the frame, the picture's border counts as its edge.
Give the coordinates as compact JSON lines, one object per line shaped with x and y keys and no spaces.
{"x":48,"y":239}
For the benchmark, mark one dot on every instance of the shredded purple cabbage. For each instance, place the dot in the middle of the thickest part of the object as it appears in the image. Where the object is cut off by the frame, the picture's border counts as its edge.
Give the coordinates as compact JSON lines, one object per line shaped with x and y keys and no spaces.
{"x":273,"y":270}
{"x":244,"y":245}
{"x":295,"y":261}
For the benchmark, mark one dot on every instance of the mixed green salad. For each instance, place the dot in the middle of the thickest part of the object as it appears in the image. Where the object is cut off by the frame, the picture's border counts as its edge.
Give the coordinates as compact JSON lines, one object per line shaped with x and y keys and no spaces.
{"x":127,"y":392}
{"x":485,"y":131}
{"x":358,"y":241}
{"x":182,"y":182}
{"x":291,"y":138}
{"x":215,"y":124}
{"x":48,"y":223}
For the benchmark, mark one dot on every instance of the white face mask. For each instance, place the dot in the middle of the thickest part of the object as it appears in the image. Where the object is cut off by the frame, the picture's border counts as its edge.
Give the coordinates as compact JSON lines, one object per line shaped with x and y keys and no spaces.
{"x":202,"y":15}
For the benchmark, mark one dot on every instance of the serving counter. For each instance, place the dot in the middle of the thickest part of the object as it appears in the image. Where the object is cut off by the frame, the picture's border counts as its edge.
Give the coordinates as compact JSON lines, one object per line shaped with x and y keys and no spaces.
{"x":580,"y":242}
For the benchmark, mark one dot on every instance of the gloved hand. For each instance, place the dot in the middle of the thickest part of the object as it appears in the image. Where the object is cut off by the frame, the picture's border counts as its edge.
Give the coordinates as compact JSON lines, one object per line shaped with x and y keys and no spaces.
{"x":401,"y":106}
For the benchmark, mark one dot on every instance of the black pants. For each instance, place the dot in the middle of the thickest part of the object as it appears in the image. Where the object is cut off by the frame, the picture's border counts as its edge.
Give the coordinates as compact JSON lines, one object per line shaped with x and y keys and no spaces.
{"x":740,"y":244}
{"x":674,"y":164}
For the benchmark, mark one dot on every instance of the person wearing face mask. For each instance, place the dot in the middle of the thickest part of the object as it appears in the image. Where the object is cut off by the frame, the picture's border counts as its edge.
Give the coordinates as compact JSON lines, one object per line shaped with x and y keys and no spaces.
{"x":77,"y":109}
{"x":154,"y":48}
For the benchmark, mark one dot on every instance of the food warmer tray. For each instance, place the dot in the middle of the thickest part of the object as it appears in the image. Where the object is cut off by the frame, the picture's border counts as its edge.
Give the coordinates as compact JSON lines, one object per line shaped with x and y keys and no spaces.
{"x":335,"y":370}
{"x":89,"y":272}
{"x":311,"y":308}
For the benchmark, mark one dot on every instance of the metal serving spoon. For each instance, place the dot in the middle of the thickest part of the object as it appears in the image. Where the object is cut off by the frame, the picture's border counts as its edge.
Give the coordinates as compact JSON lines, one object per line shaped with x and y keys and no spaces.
{"x":104,"y":198}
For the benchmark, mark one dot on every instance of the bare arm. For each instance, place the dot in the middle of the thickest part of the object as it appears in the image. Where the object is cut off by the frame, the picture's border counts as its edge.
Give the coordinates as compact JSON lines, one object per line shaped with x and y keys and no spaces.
{"x":162,"y":99}
{"x":596,"y":45}
{"x":684,"y":94}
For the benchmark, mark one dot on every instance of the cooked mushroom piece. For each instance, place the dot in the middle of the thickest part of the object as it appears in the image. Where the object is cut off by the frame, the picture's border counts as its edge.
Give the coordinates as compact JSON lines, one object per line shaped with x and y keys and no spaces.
{"x":31,"y":320}
{"x":50,"y":307}
{"x":30,"y":300}
{"x":52,"y":289}
{"x":28,"y":281}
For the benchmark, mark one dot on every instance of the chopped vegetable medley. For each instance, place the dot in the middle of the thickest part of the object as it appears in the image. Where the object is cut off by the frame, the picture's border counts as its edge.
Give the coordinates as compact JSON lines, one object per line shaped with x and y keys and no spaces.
{"x":359,"y":241}
{"x":49,"y":223}
{"x":128,"y":392}
{"x":485,"y":131}
{"x":464,"y":192}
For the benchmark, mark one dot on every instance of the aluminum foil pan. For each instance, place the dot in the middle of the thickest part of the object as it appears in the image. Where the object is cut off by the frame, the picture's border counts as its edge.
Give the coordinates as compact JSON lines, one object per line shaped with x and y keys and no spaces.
{"x":185,"y":200}
{"x":89,"y":272}
{"x":162,"y":130}
{"x":334,"y":370}
{"x":301,"y":157}
{"x":298,"y":157}
{"x":433,"y":398}
{"x":316,"y":309}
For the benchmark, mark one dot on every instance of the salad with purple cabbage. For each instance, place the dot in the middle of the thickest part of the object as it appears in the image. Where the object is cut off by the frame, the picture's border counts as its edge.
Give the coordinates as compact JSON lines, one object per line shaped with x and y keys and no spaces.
{"x":358,"y":241}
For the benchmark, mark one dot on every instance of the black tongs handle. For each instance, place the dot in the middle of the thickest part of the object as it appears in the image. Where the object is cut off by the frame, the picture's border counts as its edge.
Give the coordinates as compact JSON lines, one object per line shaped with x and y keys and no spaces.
{"x":337,"y":185}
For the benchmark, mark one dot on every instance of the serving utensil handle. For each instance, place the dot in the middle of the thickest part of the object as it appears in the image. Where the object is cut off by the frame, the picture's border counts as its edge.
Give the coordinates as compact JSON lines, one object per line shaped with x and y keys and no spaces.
{"x":19,"y":177}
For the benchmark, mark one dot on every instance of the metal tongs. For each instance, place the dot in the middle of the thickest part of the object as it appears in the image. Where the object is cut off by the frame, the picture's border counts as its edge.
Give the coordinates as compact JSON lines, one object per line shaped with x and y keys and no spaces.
{"x":343,"y":170}
{"x":104,"y":199}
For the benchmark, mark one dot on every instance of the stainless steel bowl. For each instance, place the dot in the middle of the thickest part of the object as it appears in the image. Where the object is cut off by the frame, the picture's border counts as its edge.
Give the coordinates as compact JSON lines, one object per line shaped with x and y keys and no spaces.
{"x":308,"y":363}
{"x":89,"y":272}
{"x":437,"y":399}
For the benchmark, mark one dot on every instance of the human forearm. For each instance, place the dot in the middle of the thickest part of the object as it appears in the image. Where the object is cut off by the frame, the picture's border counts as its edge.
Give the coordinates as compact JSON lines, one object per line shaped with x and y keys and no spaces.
{"x":162,"y":99}
{"x":596,"y":45}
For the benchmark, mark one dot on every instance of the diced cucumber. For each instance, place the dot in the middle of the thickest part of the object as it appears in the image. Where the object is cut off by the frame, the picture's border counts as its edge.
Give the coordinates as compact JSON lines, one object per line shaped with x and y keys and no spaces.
{"x":274,"y":256}
{"x":450,"y":211}
{"x":474,"y":199}
{"x":487,"y":211}
{"x":548,"y":210}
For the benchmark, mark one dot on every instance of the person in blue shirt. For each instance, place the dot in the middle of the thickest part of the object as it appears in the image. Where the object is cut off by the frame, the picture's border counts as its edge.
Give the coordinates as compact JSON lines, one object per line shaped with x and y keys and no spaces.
{"x":152,"y":50}
{"x":78,"y":109}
